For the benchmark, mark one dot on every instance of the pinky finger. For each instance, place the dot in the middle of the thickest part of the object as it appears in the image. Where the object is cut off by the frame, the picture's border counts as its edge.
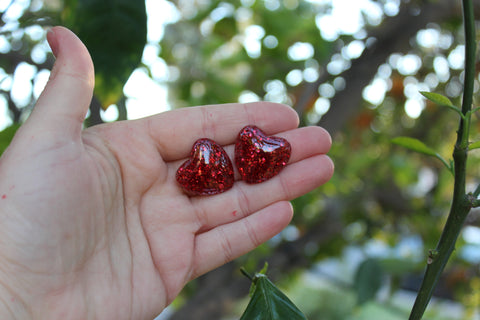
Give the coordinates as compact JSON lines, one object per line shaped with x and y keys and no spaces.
{"x":229,"y":241}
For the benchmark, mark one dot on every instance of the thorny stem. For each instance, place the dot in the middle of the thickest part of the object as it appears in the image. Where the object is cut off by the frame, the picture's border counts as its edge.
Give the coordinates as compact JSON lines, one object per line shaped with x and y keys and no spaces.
{"x":461,"y":202}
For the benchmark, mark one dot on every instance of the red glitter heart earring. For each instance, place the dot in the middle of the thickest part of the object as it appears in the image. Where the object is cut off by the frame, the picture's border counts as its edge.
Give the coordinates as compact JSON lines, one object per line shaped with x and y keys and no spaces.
{"x":259,"y":157}
{"x":209,"y":170}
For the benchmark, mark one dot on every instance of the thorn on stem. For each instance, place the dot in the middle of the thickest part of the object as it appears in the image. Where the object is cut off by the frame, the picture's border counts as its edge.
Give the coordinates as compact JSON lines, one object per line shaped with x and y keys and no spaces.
{"x":432,"y":255}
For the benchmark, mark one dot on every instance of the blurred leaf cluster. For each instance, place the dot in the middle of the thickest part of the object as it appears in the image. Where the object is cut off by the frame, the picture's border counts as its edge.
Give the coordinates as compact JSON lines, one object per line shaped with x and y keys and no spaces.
{"x":115,"y":32}
{"x":231,"y":49}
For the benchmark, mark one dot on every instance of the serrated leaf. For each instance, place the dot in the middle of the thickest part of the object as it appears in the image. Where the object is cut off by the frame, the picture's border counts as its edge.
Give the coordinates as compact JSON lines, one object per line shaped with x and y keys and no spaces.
{"x":115,"y":33}
{"x":474,"y":145}
{"x":437,"y":98}
{"x":368,"y":280}
{"x":414,"y":145}
{"x":269,"y":303}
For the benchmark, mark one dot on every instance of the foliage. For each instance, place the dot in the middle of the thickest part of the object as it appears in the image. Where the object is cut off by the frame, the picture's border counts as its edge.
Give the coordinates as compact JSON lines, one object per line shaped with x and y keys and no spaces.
{"x":115,"y":33}
{"x":268,"y":302}
{"x":240,"y":50}
{"x":418,"y":146}
{"x":387,"y":203}
{"x":368,"y":280}
{"x":6,"y":136}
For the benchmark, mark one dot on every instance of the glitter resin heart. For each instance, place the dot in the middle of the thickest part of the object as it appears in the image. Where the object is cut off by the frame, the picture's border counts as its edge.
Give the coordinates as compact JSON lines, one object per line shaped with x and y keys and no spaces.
{"x":208,"y":171}
{"x":259,"y":157}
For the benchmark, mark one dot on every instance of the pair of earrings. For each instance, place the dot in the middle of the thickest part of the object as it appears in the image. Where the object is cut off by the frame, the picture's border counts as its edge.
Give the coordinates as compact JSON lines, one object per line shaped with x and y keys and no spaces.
{"x":209,"y":170}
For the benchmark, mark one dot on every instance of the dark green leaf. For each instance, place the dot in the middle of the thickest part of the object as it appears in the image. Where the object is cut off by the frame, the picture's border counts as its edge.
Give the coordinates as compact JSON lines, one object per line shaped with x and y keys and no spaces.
{"x":415,"y":145}
{"x":437,"y":98}
{"x":399,"y":266}
{"x":368,"y":280}
{"x":6,"y":136}
{"x":115,"y":33}
{"x":269,"y":303}
{"x":226,"y":28}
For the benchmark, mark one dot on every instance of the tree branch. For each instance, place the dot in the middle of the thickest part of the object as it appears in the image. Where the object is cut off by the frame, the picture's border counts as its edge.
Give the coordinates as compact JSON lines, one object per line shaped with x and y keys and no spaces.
{"x":461,"y":204}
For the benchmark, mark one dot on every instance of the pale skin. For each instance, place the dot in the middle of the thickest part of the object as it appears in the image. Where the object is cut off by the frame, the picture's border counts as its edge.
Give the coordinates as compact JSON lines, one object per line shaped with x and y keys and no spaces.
{"x":92,"y":222}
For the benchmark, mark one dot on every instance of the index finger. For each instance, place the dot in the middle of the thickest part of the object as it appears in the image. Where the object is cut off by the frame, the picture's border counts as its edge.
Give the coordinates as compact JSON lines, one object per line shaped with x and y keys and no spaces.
{"x":175,"y":132}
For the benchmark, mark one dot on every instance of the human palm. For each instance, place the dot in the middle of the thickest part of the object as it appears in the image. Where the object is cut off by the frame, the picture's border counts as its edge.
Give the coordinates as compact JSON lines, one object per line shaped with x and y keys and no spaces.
{"x":93,"y":224}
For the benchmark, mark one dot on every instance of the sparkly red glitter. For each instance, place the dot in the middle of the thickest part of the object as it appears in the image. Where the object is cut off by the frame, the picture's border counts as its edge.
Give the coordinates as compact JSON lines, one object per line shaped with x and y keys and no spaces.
{"x":259,"y":157}
{"x":208,"y":171}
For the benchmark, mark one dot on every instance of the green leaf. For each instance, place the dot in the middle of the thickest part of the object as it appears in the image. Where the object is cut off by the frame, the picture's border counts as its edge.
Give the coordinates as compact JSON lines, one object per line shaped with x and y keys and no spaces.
{"x":368,"y":280}
{"x":442,"y":101}
{"x":264,"y":269}
{"x":418,"y":146}
{"x":474,"y":145}
{"x":415,"y":145}
{"x":437,"y":98}
{"x":6,"y":136}
{"x":269,"y":303}
{"x":115,"y":33}
{"x":399,"y":266}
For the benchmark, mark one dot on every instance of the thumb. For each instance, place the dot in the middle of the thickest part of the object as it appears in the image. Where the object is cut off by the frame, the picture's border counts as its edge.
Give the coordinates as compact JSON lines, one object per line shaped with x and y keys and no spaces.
{"x":62,"y":106}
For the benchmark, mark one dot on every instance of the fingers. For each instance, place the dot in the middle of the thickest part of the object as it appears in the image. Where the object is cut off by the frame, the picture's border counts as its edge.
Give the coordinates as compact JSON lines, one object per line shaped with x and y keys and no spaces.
{"x":243,"y":199}
{"x":305,"y":142}
{"x":308,"y":168}
{"x":227,"y":242}
{"x":62,"y":106}
{"x":176,"y":131}
{"x":235,"y":222}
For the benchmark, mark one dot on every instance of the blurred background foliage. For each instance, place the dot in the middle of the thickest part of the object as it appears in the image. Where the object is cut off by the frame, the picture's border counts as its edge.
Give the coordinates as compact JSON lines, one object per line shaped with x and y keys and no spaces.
{"x":357,"y":246}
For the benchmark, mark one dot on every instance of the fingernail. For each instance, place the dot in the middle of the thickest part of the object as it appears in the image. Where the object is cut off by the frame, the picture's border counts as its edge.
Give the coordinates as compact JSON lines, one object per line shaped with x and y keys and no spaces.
{"x":291,"y":206}
{"x":52,"y":41}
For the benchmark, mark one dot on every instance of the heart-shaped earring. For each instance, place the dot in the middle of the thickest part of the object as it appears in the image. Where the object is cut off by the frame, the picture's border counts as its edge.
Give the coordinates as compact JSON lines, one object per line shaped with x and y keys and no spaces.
{"x":259,"y":157}
{"x":208,"y":171}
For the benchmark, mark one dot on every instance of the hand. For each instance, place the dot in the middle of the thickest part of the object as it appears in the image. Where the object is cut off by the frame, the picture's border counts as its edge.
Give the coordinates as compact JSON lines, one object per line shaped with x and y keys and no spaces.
{"x":92,"y":222}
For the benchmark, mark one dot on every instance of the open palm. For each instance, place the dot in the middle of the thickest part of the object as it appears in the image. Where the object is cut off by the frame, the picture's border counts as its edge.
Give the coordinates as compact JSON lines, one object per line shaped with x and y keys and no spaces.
{"x":93,"y":224}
